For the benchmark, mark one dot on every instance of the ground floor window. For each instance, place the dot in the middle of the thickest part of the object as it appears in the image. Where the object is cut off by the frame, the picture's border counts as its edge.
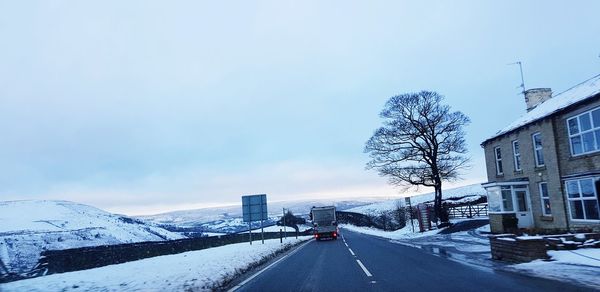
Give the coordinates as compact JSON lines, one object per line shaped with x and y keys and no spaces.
{"x":507,"y":201}
{"x":583,"y":199}
{"x":546,"y":210}
{"x":507,"y":198}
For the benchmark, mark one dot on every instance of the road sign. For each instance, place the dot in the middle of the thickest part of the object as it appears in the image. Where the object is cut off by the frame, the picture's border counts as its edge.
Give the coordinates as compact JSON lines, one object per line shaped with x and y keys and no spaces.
{"x":254,"y":207}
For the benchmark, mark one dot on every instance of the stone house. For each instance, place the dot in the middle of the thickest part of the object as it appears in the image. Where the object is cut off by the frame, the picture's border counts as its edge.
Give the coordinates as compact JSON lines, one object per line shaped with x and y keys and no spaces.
{"x":544,"y":168}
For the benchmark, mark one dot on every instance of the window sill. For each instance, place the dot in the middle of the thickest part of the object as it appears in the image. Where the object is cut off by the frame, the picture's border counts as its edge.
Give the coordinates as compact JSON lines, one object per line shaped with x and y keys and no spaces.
{"x":548,"y":218}
{"x":584,"y":155}
{"x":540,"y":168}
{"x":518,"y":172}
{"x":585,"y":221}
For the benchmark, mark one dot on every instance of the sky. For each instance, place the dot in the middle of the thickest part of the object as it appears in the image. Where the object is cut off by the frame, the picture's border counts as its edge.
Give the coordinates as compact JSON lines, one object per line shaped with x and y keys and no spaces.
{"x":140,"y":107}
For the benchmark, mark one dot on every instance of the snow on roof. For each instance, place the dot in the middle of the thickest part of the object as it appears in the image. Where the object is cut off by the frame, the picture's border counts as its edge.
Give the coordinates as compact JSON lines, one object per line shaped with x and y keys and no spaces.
{"x":575,"y":94}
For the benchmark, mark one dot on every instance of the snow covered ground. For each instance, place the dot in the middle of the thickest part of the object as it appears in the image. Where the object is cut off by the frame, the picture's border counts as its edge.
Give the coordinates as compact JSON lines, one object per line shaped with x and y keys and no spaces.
{"x":403,"y":233}
{"x":470,"y":193}
{"x":29,"y":227}
{"x":581,"y":266}
{"x":197,"y":270}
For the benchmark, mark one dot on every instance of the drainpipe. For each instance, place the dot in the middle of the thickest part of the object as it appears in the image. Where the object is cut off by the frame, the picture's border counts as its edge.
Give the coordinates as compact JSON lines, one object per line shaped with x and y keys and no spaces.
{"x":563,"y":193}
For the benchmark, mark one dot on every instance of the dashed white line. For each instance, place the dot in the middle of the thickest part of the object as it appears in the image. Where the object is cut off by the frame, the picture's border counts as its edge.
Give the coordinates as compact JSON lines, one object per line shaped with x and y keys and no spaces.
{"x":364,"y":268}
{"x":358,"y":261}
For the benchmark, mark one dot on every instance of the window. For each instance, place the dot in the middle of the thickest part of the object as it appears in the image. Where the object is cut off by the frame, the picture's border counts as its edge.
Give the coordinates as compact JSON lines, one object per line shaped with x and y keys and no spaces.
{"x":498,"y":154}
{"x":507,"y":201}
{"x":538,"y":149}
{"x":583,"y":199}
{"x":546,"y":210}
{"x":517,"y":155}
{"x":584,"y":132}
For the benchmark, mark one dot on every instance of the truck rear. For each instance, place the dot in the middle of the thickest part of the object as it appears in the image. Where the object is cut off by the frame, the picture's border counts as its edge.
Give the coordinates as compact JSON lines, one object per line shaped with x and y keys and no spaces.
{"x":324,"y":222}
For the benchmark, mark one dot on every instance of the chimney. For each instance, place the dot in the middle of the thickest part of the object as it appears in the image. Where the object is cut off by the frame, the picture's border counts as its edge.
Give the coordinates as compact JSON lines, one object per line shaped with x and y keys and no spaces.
{"x":536,"y":96}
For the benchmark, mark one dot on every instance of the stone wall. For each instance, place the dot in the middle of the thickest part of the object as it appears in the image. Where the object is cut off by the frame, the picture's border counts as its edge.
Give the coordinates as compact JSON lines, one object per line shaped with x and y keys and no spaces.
{"x":515,"y":249}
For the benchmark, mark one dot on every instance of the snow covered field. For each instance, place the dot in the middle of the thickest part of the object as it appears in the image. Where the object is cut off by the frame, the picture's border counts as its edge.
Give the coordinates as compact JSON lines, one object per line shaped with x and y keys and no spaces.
{"x":29,"y":227}
{"x":470,"y":192}
{"x":197,"y":270}
{"x":225,"y":213}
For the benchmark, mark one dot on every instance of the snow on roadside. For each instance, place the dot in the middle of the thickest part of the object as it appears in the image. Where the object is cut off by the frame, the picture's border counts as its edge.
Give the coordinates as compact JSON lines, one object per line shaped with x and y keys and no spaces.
{"x":196,"y":270}
{"x":403,"y":233}
{"x":581,"y":266}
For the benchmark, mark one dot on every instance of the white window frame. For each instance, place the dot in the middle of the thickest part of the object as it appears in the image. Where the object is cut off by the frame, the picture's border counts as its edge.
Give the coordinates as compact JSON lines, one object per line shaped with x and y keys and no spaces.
{"x":536,"y":149}
{"x":542,"y":198}
{"x":593,"y":129}
{"x":581,"y":198}
{"x":513,"y":198}
{"x":499,"y":165}
{"x":517,"y":155}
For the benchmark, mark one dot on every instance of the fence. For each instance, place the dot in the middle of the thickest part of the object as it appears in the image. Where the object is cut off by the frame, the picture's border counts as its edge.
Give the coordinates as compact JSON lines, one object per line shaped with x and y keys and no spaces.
{"x":468,"y":211}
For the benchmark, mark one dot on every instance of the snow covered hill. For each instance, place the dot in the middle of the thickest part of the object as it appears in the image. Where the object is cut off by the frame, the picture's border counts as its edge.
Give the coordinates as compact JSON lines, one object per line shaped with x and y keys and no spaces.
{"x":467,"y":193}
{"x":29,"y":227}
{"x":228,"y":219}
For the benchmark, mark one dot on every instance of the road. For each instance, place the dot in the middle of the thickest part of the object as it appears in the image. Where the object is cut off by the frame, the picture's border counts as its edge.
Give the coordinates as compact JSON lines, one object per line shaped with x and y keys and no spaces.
{"x":366,"y":263}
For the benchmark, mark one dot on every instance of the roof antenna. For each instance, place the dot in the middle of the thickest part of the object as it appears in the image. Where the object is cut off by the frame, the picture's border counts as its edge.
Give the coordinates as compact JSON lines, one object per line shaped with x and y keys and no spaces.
{"x":522,"y":80}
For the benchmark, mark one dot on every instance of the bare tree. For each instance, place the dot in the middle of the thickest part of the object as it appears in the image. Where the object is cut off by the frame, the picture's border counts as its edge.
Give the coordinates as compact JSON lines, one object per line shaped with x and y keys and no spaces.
{"x":421,"y":143}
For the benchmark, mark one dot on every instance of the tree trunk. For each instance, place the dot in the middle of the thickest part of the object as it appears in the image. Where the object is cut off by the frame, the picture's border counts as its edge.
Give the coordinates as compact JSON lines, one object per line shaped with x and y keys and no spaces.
{"x":437,"y":205}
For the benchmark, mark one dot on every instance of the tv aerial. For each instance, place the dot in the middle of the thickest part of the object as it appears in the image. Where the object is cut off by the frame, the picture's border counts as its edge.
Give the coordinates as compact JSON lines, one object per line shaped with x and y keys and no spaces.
{"x":522,"y":79}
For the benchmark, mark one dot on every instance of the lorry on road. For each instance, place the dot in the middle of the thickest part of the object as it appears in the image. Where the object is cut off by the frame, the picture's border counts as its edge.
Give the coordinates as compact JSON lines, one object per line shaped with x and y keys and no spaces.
{"x":324,"y":222}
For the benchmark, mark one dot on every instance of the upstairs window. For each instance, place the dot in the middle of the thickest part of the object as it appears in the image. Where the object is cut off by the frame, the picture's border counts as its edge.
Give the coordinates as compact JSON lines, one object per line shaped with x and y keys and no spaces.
{"x":517,"y":155}
{"x":498,"y":156}
{"x":584,"y":132}
{"x":538,"y":149}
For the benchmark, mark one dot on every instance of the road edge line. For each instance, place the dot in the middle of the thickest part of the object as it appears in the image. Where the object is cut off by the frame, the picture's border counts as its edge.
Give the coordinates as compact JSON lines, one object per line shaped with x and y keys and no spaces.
{"x":240,"y":285}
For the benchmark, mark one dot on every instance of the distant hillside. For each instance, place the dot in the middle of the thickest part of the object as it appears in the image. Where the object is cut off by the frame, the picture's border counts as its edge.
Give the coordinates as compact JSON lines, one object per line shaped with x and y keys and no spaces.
{"x":468,"y":193}
{"x":29,"y":227}
{"x":227,"y":219}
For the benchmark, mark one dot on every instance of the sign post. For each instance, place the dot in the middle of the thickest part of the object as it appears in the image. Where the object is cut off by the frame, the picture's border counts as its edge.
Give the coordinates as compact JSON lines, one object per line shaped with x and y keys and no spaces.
{"x":410,"y":217}
{"x":254,"y":208}
{"x":283,"y":221}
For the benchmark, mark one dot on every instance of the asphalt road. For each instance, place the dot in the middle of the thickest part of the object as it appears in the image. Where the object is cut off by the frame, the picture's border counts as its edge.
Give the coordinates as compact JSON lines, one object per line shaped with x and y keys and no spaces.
{"x":369,"y":263}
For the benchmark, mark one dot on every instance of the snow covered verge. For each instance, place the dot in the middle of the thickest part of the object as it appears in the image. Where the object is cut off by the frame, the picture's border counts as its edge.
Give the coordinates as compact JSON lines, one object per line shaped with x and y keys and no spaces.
{"x":580,"y":266}
{"x":207,"y":269}
{"x":403,"y":233}
{"x":29,"y":227}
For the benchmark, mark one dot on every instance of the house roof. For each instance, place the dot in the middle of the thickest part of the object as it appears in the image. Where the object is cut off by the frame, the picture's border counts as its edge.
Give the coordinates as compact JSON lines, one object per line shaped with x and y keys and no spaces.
{"x":575,"y":94}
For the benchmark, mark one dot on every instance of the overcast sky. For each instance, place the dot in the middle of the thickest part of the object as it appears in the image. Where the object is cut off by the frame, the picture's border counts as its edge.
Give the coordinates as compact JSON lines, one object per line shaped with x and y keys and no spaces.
{"x":142,"y":107}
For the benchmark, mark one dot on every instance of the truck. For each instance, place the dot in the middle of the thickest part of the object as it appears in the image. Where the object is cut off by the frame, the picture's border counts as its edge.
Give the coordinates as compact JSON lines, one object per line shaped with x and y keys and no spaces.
{"x":324,"y":222}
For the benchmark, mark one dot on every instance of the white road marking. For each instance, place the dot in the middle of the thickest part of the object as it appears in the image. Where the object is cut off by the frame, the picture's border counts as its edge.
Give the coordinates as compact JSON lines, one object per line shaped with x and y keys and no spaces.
{"x":351,"y":251}
{"x":364,"y":268}
{"x":238,"y":286}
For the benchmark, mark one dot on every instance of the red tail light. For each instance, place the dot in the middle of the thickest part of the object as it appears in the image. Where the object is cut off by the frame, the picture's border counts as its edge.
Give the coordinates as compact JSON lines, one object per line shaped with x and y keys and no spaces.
{"x":334,"y":234}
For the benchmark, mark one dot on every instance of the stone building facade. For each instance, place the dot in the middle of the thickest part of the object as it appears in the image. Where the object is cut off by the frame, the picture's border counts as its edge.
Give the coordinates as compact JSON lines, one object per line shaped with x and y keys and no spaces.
{"x":544,"y":168}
